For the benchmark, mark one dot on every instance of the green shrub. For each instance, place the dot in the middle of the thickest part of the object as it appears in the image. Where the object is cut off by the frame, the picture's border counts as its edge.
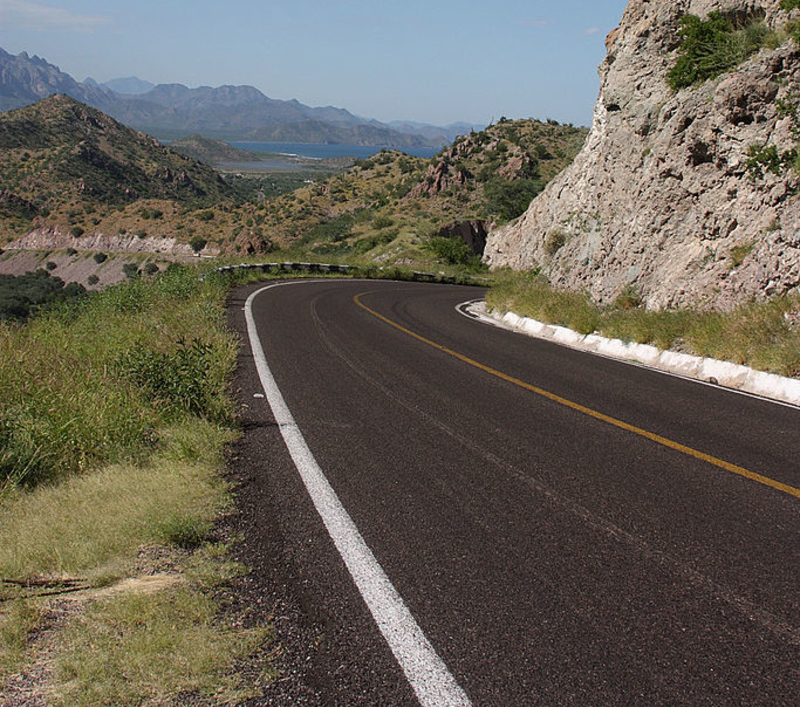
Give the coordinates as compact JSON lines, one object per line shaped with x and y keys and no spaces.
{"x":452,"y":250}
{"x":93,"y":279}
{"x":21,"y":295}
{"x":131,"y":270}
{"x":197,"y":243}
{"x":177,"y":380}
{"x":150,"y":268}
{"x":509,"y":199}
{"x":382,"y":222}
{"x":711,"y":47}
{"x":50,"y":265}
{"x":100,"y":258}
{"x":76,"y":232}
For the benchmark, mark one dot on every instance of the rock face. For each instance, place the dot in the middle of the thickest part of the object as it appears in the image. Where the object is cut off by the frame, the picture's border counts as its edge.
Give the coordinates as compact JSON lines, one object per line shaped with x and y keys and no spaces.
{"x":661,"y":198}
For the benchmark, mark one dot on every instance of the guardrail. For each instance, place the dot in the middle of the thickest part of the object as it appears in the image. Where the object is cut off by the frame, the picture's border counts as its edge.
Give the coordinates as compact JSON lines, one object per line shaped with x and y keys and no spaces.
{"x":368,"y":272}
{"x":289,"y":267}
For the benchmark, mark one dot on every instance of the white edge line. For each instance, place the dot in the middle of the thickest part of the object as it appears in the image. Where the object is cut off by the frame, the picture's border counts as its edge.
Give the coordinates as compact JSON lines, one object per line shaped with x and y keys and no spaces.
{"x":429,"y":677}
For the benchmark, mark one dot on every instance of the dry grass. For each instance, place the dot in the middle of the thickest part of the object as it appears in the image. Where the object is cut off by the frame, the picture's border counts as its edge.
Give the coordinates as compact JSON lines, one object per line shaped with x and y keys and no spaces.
{"x":148,"y":648}
{"x":97,"y":473}
{"x":88,"y":524}
{"x":761,"y":335}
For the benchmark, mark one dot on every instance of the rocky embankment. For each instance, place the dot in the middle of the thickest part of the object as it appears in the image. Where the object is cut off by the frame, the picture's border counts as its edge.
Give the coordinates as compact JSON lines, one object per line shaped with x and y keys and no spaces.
{"x":662,"y":199}
{"x":59,"y":238}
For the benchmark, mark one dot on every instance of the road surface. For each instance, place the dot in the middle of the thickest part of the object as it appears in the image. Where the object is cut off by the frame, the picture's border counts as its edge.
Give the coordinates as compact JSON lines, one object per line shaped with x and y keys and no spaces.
{"x":561,"y":528}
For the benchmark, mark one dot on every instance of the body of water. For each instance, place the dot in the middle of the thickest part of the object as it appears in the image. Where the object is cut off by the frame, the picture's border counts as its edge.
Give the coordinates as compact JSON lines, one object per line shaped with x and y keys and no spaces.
{"x":320,"y":152}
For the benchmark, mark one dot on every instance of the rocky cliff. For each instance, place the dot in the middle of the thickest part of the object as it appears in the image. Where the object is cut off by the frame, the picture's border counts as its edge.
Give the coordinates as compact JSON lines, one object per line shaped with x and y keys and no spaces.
{"x":666,"y":197}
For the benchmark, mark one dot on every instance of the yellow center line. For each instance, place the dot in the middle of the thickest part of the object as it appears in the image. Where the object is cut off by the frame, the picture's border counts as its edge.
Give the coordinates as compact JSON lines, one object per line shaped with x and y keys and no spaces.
{"x":671,"y":444}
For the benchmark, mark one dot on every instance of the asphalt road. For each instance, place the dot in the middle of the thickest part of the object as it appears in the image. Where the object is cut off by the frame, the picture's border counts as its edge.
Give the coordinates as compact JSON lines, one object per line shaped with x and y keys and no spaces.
{"x":564,"y":529}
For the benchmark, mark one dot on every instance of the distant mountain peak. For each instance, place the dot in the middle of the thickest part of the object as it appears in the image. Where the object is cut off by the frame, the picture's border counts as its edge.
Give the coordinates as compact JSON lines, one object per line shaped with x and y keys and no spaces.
{"x":129,"y":85}
{"x":225,"y":112}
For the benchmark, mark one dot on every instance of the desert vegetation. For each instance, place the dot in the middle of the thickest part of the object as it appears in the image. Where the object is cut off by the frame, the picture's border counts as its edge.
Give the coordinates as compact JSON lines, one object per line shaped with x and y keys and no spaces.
{"x":21,"y":295}
{"x":713,"y":46}
{"x":115,"y":414}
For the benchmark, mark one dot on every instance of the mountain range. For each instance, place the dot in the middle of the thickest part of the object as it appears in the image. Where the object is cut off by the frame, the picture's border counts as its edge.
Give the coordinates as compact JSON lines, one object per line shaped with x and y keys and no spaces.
{"x":171,"y":111}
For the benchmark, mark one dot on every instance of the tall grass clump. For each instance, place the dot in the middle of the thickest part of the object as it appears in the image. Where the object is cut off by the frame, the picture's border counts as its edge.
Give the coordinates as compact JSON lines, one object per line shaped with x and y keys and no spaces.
{"x":528,"y":294}
{"x":90,"y":382}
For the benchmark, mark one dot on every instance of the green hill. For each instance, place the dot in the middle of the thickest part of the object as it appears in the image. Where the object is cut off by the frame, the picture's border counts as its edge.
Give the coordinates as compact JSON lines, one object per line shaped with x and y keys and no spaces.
{"x":212,"y":151}
{"x":58,"y":155}
{"x":388,"y":205}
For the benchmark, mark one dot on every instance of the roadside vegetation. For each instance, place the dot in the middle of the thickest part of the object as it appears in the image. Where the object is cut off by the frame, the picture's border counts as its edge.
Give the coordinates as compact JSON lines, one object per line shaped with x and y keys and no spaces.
{"x":711,"y":47}
{"x":113,"y":421}
{"x":763,"y":335}
{"x":21,"y":295}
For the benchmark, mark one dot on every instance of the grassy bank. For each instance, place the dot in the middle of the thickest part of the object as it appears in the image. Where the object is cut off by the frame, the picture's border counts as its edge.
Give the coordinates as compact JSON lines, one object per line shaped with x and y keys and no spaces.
{"x":764,"y":335}
{"x":113,"y":420}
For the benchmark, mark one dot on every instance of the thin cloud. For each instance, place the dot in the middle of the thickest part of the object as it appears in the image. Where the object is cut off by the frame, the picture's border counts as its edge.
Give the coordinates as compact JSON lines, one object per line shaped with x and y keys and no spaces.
{"x":21,"y":14}
{"x":591,"y":31}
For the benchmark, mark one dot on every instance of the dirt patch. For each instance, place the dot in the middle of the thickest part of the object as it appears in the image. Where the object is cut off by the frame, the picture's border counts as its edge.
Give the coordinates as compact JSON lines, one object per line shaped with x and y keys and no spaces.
{"x":29,"y":688}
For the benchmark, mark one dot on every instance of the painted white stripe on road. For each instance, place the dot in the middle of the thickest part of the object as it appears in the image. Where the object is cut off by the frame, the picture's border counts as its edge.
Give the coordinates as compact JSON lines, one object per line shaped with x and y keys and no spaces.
{"x":429,"y":677}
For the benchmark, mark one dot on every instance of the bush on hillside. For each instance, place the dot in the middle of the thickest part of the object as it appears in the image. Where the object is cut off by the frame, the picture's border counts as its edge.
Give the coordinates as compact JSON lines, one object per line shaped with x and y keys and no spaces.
{"x":711,"y":47}
{"x":509,"y":199}
{"x":131,"y":270}
{"x":454,"y":251}
{"x":197,"y":244}
{"x":21,"y":296}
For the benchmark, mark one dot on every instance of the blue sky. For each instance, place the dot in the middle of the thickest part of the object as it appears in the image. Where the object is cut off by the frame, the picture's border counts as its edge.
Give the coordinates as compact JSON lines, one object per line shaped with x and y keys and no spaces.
{"x":435,"y":61}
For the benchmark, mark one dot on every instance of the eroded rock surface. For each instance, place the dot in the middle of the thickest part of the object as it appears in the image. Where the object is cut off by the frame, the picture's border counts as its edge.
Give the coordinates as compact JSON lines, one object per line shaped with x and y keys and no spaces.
{"x":661,"y":198}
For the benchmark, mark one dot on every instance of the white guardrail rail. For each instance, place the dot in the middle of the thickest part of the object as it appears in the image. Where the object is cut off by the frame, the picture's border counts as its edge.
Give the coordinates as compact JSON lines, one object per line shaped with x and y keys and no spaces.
{"x":366,"y":271}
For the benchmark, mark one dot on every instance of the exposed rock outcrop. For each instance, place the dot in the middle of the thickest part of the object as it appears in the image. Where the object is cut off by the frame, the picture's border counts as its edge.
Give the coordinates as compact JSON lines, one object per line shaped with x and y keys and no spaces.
{"x":661,"y":197}
{"x":57,"y":238}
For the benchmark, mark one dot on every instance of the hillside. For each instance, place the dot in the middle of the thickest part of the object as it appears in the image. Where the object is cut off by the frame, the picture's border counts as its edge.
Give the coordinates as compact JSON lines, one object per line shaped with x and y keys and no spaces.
{"x":212,"y":152}
{"x":686,"y":192}
{"x":68,"y":168}
{"x":59,"y":151}
{"x":76,"y":179}
{"x":390,"y":204}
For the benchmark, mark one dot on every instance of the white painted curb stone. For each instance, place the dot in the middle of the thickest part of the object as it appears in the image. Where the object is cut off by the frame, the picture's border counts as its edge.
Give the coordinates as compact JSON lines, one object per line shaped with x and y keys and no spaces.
{"x":724,"y":373}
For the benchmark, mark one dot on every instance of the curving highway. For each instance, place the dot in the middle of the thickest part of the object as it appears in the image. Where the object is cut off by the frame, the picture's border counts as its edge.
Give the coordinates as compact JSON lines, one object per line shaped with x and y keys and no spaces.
{"x":547,"y":527}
